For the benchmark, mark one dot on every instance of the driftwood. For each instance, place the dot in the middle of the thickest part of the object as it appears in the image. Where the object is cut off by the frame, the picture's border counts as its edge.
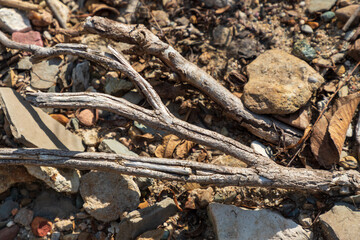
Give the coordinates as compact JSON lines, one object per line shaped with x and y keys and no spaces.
{"x":262,"y":172}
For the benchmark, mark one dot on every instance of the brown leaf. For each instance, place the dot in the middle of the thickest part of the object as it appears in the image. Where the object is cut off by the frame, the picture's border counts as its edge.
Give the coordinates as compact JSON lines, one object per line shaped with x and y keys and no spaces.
{"x":168,"y":146}
{"x":330,"y":132}
{"x":299,"y":119}
{"x":183,"y":149}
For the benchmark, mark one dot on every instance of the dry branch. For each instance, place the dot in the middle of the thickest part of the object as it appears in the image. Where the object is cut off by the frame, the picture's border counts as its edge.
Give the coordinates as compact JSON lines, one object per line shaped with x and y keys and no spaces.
{"x":262,"y":126}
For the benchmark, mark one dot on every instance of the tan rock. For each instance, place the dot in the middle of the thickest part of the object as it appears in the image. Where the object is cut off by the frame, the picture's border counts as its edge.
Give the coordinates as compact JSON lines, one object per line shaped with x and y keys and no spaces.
{"x":343,"y":14}
{"x":10,"y":175}
{"x":279,"y":83}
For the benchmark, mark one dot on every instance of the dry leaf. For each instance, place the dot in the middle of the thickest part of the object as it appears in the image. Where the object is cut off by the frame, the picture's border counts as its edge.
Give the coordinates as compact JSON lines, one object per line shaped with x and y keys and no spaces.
{"x":168,"y":146}
{"x":299,"y":119}
{"x":330,"y":132}
{"x":183,"y":149}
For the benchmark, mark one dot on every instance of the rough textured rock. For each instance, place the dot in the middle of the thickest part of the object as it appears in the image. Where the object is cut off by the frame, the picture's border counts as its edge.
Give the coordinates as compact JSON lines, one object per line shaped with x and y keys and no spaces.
{"x":142,"y":220}
{"x":113,"y":146}
{"x":343,"y":14}
{"x":24,"y":217}
{"x":44,"y":74}
{"x":341,"y":222}
{"x":230,"y":222}
{"x":107,"y":195}
{"x":32,"y":37}
{"x":12,"y":20}
{"x":10,"y":175}
{"x":320,"y":5}
{"x":279,"y":83}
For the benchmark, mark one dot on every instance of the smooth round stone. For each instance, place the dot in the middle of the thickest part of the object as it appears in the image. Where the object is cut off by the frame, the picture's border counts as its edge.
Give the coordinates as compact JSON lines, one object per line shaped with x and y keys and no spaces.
{"x":306,"y":29}
{"x":327,"y":16}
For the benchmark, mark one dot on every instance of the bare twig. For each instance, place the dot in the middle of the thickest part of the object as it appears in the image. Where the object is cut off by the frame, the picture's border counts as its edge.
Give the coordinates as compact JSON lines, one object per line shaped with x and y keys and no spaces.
{"x":147,"y":42}
{"x":21,"y":5}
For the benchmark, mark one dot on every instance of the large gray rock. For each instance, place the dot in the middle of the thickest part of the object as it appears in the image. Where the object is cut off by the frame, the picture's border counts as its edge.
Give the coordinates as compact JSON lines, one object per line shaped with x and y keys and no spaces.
{"x":108,"y":195}
{"x":142,"y":220}
{"x":320,"y":5}
{"x":279,"y":83}
{"x":341,"y":222}
{"x":230,"y":222}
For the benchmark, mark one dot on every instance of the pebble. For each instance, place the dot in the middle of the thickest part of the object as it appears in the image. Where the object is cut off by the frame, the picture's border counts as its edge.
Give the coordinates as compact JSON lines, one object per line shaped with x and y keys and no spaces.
{"x":6,"y":208}
{"x":320,"y":5}
{"x":90,"y":137}
{"x":31,"y":37}
{"x":41,"y":226}
{"x":87,"y":117}
{"x":259,"y":148}
{"x":327,"y":16}
{"x":9,"y":233}
{"x":44,"y":74}
{"x":10,"y":224}
{"x":303,"y":50}
{"x":64,"y":225}
{"x":12,"y":20}
{"x":55,"y":236}
{"x":114,"y":146}
{"x":344,"y":91}
{"x":348,"y":162}
{"x":161,"y":17}
{"x":306,"y":29}
{"x":81,"y":76}
{"x":108,"y":195}
{"x":221,"y":36}
{"x":24,"y":217}
{"x":115,"y":86}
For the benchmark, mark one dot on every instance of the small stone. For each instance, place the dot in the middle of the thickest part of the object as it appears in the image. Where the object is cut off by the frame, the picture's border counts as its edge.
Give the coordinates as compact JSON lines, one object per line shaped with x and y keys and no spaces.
{"x":343,"y":14}
{"x":161,"y":17}
{"x":344,"y":91}
{"x":340,"y":70}
{"x":24,"y":64}
{"x":113,"y":146}
{"x":32,"y":37}
{"x":341,"y":222}
{"x":259,"y":148}
{"x":55,"y":236}
{"x":108,"y":195}
{"x":320,"y":5}
{"x":40,"y":18}
{"x":24,"y":217}
{"x":44,"y":74}
{"x":327,"y":16}
{"x":305,"y":220}
{"x":87,"y":117}
{"x":41,"y":226}
{"x":81,"y":76}
{"x":230,"y":222}
{"x":338,"y":57}
{"x":64,"y":225}
{"x":90,"y":137}
{"x":303,"y":50}
{"x":278,"y":83}
{"x":354,"y":51}
{"x":6,"y":208}
{"x":10,"y":224}
{"x":348,"y":162}
{"x":203,"y":196}
{"x":82,"y":226}
{"x":306,"y":29}
{"x":221,"y":36}
{"x":218,"y":3}
{"x":116,"y":86}
{"x":12,"y":20}
{"x":9,"y":233}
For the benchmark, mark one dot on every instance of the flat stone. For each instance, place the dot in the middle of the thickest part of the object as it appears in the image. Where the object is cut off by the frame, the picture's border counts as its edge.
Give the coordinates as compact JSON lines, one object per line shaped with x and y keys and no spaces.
{"x":64,"y":225}
{"x":306,"y":29}
{"x":143,"y":220}
{"x":6,"y":208}
{"x":12,"y":20}
{"x":320,"y":5}
{"x":31,"y":37}
{"x":341,"y":222}
{"x":343,"y":14}
{"x":115,"y":86}
{"x":50,"y":204}
{"x":24,"y":217}
{"x":24,"y":64}
{"x":108,"y":195}
{"x":90,"y":137}
{"x":218,"y":3}
{"x":44,"y":74}
{"x":260,"y":148}
{"x":113,"y":146}
{"x":81,"y":76}
{"x":10,"y":175}
{"x":279,"y":83}
{"x":221,"y":36}
{"x":230,"y":222}
{"x":302,"y":49}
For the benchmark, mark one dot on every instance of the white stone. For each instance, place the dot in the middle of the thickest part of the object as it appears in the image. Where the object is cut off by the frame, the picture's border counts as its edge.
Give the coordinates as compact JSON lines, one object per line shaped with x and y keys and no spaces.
{"x":259,"y":148}
{"x":12,"y":20}
{"x":233,"y":223}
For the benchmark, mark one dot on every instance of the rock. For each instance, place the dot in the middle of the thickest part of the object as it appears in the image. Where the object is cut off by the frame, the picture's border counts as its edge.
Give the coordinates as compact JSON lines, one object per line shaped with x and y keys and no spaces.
{"x":161,"y":17}
{"x":305,"y":220}
{"x":348,"y":162}
{"x":306,"y":29}
{"x":341,"y":222}
{"x":354,"y":51}
{"x":24,"y":217}
{"x":303,"y":50}
{"x":116,"y":86}
{"x":108,"y":195}
{"x":6,"y":208}
{"x":10,"y":175}
{"x":230,"y":222}
{"x":202,"y":196}
{"x":41,"y":226}
{"x":244,"y":48}
{"x":64,"y":225}
{"x":218,"y":3}
{"x":87,"y":117}
{"x":143,"y":220}
{"x":55,"y":236}
{"x":44,"y":74}
{"x":90,"y":137}
{"x":343,"y":14}
{"x":113,"y":146}
{"x":32,"y":37}
{"x":12,"y":20}
{"x":24,"y":64}
{"x":73,"y":236}
{"x":60,"y":10}
{"x":9,"y":233}
{"x":279,"y":83}
{"x":261,"y":149}
{"x":40,"y":18}
{"x":222,"y":36}
{"x":327,"y":16}
{"x":81,"y":77}
{"x":344,"y":3}
{"x":320,"y":5}
{"x":44,"y":205}
{"x":133,"y":97}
